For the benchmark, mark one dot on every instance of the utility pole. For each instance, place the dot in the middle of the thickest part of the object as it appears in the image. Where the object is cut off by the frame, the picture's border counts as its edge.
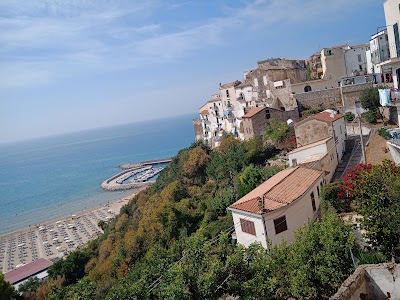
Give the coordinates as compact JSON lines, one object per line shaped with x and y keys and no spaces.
{"x":361,"y":139}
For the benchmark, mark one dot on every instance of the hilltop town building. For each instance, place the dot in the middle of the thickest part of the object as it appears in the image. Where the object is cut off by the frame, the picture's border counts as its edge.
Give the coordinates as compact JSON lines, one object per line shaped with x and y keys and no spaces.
{"x":321,"y":126}
{"x":278,"y":207}
{"x":379,"y":46}
{"x":392,"y":16}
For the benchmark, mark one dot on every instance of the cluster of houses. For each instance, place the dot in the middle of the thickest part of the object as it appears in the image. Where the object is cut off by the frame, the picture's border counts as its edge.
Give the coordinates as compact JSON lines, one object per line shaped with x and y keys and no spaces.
{"x":330,"y":78}
{"x":278,"y":207}
{"x":280,"y":89}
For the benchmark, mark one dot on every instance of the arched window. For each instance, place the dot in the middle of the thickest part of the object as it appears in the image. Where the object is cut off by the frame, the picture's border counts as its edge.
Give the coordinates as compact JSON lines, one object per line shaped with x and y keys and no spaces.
{"x":307,"y":88}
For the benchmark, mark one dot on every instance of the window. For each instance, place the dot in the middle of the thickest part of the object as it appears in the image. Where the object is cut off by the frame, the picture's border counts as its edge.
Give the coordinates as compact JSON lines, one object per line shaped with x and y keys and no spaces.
{"x":280,"y":225}
{"x":318,"y":191}
{"x":314,"y":208}
{"x":227,"y":93}
{"x":359,"y":58}
{"x":267,"y":114}
{"x":248,"y":227}
{"x":360,"y":66}
{"x":294,"y":162}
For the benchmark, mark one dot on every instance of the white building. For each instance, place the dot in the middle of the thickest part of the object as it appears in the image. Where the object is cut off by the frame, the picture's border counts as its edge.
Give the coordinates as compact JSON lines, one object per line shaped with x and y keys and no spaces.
{"x":278,"y":207}
{"x":392,"y":16}
{"x":320,"y":155}
{"x":356,"y":60}
{"x":379,"y":48}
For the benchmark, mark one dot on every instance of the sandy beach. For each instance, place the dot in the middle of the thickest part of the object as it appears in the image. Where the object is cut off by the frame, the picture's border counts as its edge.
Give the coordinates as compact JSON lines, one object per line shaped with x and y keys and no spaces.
{"x":54,"y":239}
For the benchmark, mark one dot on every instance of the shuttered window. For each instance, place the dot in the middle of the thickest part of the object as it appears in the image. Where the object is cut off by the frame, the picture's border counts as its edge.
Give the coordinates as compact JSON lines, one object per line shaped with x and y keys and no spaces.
{"x":248,"y":227}
{"x":280,"y":224}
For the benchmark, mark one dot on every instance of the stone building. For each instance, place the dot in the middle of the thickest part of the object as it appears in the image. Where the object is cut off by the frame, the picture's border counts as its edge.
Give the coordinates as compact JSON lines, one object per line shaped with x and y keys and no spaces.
{"x":321,"y":126}
{"x":331,"y":61}
{"x":371,"y":282}
{"x":254,"y":121}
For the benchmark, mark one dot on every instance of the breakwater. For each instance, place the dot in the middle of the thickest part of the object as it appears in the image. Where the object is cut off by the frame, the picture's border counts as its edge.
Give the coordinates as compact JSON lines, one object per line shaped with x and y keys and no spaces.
{"x":117,"y":182}
{"x":145,"y":163}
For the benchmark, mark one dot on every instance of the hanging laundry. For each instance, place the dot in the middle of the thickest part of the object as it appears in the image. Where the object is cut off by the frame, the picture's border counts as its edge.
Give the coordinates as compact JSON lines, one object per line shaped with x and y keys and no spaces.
{"x":384,"y":96}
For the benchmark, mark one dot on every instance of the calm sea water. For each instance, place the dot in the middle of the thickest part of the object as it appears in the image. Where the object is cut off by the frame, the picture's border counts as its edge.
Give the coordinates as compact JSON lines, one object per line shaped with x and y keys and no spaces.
{"x":47,"y":178}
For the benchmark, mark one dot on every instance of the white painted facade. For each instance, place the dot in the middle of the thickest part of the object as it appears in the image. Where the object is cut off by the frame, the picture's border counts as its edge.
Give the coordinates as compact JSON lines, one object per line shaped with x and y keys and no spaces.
{"x":322,"y":157}
{"x":356,"y":60}
{"x":392,"y":16}
{"x":339,"y":135}
{"x":297,"y":214}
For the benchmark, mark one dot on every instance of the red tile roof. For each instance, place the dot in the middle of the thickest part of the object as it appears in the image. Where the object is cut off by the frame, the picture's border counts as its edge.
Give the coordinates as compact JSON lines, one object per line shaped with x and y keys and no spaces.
{"x":204,"y":112}
{"x":278,"y":191}
{"x":326,"y":116}
{"x":27,"y":270}
{"x":253,"y":112}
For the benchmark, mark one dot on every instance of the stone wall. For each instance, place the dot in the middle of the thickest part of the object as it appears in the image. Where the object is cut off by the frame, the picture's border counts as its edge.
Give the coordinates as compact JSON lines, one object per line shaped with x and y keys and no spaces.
{"x":311,"y":130}
{"x":331,"y":98}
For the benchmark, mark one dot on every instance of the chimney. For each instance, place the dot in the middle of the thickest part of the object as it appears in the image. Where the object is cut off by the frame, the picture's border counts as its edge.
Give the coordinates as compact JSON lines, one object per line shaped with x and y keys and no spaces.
{"x":260,"y":203}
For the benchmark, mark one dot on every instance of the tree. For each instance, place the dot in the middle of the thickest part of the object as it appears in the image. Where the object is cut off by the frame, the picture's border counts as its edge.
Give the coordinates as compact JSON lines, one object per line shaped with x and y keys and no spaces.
{"x":275,"y":131}
{"x":319,"y":259}
{"x":72,"y":268}
{"x":6,"y":289}
{"x":252,"y":177}
{"x":376,"y":193}
{"x":369,"y":98}
{"x":28,"y":288}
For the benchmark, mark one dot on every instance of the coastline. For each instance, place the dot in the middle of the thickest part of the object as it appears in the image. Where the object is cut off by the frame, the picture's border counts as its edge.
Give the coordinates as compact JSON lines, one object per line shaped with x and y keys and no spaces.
{"x":55,"y":238}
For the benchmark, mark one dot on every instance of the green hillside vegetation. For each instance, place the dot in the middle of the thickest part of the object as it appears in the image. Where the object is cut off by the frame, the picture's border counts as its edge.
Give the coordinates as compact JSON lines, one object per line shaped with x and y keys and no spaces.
{"x":173,"y":240}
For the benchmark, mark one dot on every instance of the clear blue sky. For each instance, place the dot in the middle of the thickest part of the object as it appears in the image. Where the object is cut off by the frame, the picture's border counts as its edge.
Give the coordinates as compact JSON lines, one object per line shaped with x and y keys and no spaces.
{"x":68,"y":65}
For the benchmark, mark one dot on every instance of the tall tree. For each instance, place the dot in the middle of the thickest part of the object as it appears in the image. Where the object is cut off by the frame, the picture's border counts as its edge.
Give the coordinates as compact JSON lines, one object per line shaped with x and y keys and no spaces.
{"x":6,"y":289}
{"x":376,"y":193}
{"x":369,"y":98}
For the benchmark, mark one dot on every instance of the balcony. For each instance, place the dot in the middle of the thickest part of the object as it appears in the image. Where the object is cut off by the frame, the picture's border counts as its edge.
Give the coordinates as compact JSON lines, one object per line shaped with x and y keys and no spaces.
{"x":229,"y":108}
{"x":241,"y":100}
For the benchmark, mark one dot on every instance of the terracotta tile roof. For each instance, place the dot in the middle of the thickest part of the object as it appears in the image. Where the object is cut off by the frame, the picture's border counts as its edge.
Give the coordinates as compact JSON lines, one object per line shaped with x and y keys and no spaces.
{"x":320,"y":142}
{"x":278,"y":191}
{"x":326,"y":116}
{"x":27,"y":270}
{"x":204,"y":112}
{"x":253,"y":112}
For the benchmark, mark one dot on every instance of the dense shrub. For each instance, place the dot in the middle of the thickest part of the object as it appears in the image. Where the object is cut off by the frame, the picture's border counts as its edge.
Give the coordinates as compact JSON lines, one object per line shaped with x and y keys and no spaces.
{"x":384,"y":133}
{"x":349,"y":116}
{"x":370,"y":116}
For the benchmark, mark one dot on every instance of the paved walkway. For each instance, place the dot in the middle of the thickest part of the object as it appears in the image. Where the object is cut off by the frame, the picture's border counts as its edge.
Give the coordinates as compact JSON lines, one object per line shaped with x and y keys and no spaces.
{"x":351,"y":158}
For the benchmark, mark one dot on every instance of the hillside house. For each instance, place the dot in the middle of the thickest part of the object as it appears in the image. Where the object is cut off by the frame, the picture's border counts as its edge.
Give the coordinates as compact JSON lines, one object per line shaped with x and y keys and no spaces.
{"x":278,"y":207}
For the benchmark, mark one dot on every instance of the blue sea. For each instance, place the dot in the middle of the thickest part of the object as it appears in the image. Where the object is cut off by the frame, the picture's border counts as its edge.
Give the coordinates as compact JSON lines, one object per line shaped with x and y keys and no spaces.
{"x":48,"y":178}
